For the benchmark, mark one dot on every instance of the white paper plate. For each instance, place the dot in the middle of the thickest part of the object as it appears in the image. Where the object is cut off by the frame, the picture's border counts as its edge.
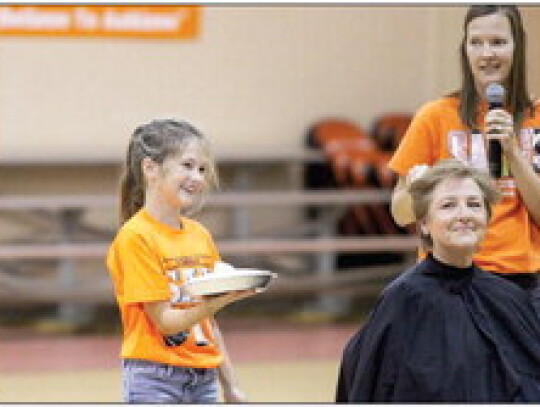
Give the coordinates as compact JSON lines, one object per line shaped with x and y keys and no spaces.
{"x":222,"y":282}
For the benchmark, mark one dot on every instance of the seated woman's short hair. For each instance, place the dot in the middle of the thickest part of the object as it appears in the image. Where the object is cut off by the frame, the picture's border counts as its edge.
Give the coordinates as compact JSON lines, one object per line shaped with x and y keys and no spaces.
{"x":421,"y":189}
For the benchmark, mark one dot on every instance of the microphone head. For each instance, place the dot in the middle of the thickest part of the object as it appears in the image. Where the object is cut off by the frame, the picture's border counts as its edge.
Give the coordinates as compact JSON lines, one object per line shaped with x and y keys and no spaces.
{"x":495,"y":95}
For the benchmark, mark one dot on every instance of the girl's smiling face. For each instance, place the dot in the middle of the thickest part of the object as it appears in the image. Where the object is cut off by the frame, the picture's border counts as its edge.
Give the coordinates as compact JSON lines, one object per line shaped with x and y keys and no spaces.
{"x":180,"y":181}
{"x":490,"y":49}
{"x":457,"y":219}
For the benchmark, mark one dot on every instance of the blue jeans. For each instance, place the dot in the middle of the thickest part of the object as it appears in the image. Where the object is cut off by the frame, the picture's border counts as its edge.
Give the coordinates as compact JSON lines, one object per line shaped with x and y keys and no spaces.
{"x":151,"y":382}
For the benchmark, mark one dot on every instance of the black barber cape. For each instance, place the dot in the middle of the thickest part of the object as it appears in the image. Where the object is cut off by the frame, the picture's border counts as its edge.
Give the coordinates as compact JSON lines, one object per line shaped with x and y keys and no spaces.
{"x":445,"y":334}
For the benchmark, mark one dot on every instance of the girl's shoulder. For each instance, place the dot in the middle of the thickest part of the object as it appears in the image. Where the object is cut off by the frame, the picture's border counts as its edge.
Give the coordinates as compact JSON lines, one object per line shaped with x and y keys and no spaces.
{"x":536,"y":104}
{"x":193,"y":225}
{"x":142,"y":229}
{"x":532,"y":118}
{"x":440,"y":106}
{"x":135,"y":227}
{"x":140,"y":221}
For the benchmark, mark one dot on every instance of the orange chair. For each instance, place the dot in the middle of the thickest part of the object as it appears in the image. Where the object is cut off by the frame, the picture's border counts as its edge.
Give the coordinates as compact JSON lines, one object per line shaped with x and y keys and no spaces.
{"x":370,"y":170}
{"x":354,"y":161}
{"x":333,"y":134}
{"x":340,"y":140}
{"x":388,"y":130}
{"x":336,"y":137}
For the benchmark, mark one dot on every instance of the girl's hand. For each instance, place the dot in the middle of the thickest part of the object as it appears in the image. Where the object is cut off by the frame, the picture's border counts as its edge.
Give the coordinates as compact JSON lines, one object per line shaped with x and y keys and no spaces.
{"x":233,"y":395}
{"x":500,"y":126}
{"x":221,"y":300}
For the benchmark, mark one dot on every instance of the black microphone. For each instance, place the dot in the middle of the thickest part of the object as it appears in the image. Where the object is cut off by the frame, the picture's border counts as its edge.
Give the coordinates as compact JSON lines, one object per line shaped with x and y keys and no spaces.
{"x":495,"y":99}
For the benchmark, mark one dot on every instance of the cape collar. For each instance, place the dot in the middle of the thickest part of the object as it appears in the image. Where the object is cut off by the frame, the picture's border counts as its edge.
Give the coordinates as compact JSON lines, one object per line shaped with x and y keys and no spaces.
{"x":437,"y":268}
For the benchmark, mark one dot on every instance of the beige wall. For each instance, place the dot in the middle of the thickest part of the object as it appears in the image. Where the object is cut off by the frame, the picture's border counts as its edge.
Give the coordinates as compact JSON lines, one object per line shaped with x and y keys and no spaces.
{"x":256,"y":77}
{"x":531,"y":18}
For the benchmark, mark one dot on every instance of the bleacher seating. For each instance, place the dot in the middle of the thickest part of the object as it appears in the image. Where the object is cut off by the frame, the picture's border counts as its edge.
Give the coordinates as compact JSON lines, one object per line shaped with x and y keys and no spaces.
{"x":358,"y":159}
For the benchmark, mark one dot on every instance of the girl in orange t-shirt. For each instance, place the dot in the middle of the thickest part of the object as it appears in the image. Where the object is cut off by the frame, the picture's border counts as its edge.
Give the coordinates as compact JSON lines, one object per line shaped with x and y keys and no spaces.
{"x":172,"y":349}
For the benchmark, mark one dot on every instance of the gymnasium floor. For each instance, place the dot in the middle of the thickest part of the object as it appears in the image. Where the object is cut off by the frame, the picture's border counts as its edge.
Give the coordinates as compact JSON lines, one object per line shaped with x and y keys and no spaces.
{"x":281,"y":362}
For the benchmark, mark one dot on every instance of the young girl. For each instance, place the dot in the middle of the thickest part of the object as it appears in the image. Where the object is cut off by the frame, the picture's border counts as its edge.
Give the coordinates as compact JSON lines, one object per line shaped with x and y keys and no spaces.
{"x":172,"y":349}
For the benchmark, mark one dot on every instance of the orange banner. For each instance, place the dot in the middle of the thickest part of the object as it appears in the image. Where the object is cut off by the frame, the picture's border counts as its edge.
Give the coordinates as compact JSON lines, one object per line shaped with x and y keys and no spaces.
{"x":150,"y":22}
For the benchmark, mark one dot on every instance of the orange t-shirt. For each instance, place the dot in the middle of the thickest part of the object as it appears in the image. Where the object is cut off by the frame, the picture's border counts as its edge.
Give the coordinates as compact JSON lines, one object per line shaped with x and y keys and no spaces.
{"x":149,"y":261}
{"x":512,"y":242}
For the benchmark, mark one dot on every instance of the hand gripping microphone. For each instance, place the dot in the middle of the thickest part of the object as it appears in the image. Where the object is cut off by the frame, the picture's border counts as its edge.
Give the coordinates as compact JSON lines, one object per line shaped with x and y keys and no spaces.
{"x":495,"y":99}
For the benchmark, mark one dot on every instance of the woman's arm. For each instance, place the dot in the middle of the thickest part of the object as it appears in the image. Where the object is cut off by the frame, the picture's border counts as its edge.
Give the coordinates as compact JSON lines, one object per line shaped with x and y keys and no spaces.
{"x":527,"y":181}
{"x":499,"y":125}
{"x":229,"y":384}
{"x":401,"y":204}
{"x":170,"y":320}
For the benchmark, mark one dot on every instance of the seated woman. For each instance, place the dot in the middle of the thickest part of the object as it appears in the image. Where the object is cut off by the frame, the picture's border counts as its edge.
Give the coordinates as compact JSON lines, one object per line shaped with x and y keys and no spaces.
{"x":445,"y":330}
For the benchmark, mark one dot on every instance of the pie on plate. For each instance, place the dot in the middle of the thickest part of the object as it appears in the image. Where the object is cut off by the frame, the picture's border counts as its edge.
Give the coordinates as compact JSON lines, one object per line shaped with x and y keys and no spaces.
{"x":231,"y":280}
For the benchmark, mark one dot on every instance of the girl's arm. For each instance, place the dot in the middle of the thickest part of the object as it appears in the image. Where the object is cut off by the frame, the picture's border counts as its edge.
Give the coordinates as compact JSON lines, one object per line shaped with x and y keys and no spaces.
{"x":229,"y":384}
{"x":171,"y":320}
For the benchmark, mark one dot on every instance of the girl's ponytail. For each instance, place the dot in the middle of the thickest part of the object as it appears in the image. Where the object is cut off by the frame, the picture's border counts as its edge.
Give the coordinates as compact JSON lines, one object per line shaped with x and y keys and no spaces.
{"x":131,"y":183}
{"x":131,"y":195}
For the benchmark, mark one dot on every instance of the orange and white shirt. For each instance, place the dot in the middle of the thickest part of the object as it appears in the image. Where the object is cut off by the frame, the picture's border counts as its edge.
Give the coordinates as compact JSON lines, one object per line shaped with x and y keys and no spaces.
{"x":149,"y":261}
{"x":512,"y":242}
